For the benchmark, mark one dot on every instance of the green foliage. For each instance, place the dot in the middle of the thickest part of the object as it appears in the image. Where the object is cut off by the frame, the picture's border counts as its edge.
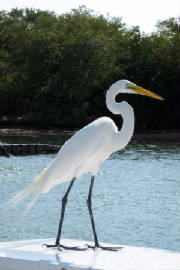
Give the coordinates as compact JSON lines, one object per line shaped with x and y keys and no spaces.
{"x":55,"y":70}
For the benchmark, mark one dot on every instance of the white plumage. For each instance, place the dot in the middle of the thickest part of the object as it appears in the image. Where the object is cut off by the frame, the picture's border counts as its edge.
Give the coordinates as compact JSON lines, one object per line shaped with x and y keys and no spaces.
{"x":90,"y":146}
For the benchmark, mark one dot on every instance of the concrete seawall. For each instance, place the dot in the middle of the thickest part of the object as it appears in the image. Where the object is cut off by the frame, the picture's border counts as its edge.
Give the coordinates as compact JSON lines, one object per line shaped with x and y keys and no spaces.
{"x":27,"y":149}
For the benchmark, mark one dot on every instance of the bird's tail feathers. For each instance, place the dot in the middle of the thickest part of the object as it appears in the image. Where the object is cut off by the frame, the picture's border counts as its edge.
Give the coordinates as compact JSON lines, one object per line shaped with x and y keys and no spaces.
{"x":34,"y":187}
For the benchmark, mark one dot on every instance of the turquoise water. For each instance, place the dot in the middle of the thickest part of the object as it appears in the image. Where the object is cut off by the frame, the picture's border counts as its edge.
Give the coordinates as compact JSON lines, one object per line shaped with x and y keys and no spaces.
{"x":136,"y":199}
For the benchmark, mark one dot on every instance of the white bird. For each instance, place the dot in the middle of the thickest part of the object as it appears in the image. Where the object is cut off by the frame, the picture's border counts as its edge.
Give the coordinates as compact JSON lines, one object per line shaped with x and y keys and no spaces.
{"x":86,"y":150}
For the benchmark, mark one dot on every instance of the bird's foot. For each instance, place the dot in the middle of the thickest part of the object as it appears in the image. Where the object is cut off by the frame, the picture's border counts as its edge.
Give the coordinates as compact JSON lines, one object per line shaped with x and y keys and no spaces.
{"x":61,"y":247}
{"x":104,"y":248}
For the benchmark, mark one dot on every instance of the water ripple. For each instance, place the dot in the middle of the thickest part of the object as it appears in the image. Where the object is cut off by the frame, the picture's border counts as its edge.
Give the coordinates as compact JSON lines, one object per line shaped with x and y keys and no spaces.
{"x":135,"y":199}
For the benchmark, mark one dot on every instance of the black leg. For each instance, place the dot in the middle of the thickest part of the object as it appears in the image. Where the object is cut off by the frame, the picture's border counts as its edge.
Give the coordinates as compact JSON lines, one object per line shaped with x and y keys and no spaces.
{"x":90,"y":211}
{"x":64,"y":202}
{"x":89,"y":203}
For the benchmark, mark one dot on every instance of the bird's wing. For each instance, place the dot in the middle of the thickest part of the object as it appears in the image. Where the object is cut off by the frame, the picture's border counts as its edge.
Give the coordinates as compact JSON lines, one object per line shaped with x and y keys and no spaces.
{"x":76,"y":154}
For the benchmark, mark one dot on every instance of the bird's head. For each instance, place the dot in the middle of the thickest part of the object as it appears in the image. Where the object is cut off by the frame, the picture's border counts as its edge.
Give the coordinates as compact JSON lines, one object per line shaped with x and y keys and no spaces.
{"x":132,"y":88}
{"x":124,"y":86}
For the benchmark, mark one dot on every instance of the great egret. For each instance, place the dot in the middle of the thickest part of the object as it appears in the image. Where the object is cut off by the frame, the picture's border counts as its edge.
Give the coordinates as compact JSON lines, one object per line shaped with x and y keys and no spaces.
{"x":86,"y":150}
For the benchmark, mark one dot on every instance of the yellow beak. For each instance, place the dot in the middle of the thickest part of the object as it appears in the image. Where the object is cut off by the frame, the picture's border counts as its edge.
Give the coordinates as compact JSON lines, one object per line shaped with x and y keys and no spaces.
{"x":142,"y":91}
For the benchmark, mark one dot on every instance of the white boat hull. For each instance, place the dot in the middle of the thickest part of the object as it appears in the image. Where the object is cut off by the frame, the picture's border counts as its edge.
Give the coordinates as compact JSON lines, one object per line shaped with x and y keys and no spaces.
{"x":32,"y":255}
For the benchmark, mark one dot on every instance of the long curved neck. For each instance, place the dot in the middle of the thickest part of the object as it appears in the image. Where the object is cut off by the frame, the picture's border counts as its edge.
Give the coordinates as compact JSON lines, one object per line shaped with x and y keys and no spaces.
{"x":122,"y":137}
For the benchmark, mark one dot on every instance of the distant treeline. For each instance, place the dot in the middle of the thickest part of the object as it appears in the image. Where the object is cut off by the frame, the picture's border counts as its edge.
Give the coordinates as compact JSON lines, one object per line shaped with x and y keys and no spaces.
{"x":55,"y":70}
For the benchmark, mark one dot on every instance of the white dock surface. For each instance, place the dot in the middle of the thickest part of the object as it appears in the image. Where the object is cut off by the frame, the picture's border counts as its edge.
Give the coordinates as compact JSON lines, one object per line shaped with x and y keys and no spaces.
{"x":32,"y":255}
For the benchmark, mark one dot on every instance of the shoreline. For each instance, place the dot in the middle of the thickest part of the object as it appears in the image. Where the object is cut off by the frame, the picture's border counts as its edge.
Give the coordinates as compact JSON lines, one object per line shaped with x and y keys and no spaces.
{"x":11,"y":131}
